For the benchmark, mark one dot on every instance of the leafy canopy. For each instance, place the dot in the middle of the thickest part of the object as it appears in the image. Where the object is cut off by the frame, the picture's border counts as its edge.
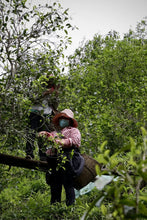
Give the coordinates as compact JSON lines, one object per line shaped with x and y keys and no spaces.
{"x":32,"y":40}
{"x":107,"y":87}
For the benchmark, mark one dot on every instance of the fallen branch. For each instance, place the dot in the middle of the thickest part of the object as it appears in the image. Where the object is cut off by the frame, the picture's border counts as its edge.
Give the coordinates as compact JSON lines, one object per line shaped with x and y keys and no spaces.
{"x":22,"y":162}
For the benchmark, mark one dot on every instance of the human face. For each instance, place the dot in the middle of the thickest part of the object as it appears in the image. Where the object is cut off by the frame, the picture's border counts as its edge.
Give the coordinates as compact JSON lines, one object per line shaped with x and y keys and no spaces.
{"x":64,"y":122}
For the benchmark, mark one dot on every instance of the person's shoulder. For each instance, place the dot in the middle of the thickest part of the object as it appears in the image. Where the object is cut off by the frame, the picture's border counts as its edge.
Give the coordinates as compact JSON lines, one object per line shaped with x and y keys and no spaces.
{"x":73,"y":129}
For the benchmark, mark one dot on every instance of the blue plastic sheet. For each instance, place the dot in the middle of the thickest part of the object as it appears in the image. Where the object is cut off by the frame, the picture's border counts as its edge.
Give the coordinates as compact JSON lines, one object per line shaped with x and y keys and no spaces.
{"x":99,"y":183}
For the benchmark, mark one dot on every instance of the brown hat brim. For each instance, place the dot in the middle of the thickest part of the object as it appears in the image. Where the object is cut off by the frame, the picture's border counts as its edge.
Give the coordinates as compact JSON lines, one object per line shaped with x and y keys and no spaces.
{"x":56,"y":118}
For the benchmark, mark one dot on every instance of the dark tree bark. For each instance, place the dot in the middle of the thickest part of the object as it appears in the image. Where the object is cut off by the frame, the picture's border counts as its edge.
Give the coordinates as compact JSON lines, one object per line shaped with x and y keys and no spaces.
{"x":24,"y":163}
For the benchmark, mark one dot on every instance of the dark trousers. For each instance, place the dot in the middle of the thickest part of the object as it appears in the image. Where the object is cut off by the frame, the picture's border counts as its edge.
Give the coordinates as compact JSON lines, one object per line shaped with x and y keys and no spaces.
{"x":57,"y":179}
{"x":37,"y":123}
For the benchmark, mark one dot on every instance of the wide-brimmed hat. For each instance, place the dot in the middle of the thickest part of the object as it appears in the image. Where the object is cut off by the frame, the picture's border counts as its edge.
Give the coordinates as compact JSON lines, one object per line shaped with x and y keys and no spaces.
{"x":66,"y":113}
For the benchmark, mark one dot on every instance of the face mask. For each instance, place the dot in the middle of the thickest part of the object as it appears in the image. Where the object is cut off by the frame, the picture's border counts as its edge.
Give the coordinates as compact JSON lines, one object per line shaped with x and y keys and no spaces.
{"x":64,"y":123}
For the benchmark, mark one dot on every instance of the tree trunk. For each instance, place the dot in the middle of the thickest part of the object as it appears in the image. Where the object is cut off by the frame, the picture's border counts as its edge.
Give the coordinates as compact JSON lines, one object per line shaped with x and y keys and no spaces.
{"x":22,"y":162}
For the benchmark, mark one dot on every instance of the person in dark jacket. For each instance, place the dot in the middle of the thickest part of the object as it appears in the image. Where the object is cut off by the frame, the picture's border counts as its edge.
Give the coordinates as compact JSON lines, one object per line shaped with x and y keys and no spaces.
{"x":68,"y":138}
{"x":43,"y":109}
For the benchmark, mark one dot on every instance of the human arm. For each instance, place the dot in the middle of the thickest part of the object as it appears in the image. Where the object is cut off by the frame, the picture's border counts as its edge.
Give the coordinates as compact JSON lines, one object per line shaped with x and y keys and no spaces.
{"x":49,"y":135}
{"x":72,"y":136}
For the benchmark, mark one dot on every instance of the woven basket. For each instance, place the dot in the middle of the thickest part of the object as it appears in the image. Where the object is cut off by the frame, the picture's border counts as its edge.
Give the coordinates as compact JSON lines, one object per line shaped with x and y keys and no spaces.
{"x":88,"y":174}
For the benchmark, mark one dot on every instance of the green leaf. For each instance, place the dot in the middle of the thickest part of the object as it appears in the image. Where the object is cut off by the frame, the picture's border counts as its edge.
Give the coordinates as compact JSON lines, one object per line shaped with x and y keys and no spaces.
{"x":66,"y":32}
{"x":103,"y":145}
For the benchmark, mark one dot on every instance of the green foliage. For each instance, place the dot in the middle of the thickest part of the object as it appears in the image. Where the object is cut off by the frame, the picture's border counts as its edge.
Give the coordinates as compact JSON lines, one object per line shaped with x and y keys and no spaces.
{"x":32,"y":40}
{"x":25,"y":195}
{"x":106,"y":87}
{"x":126,"y":195}
{"x":121,"y":193}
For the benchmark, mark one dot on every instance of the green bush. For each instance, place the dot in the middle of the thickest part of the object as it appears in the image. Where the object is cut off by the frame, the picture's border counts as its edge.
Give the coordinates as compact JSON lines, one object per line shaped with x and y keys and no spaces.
{"x":125,"y":196}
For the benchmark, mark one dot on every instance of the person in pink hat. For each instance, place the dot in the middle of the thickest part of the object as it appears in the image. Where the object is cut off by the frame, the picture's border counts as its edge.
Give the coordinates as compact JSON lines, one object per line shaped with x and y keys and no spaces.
{"x":68,"y":138}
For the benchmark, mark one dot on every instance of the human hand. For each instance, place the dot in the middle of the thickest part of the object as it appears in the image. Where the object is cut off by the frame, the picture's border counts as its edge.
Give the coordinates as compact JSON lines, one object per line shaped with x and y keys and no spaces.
{"x":59,"y":141}
{"x":43,"y":133}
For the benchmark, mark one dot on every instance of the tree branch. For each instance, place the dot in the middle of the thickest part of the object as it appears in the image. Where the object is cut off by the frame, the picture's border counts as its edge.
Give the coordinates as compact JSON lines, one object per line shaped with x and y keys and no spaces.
{"x":22,"y":162}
